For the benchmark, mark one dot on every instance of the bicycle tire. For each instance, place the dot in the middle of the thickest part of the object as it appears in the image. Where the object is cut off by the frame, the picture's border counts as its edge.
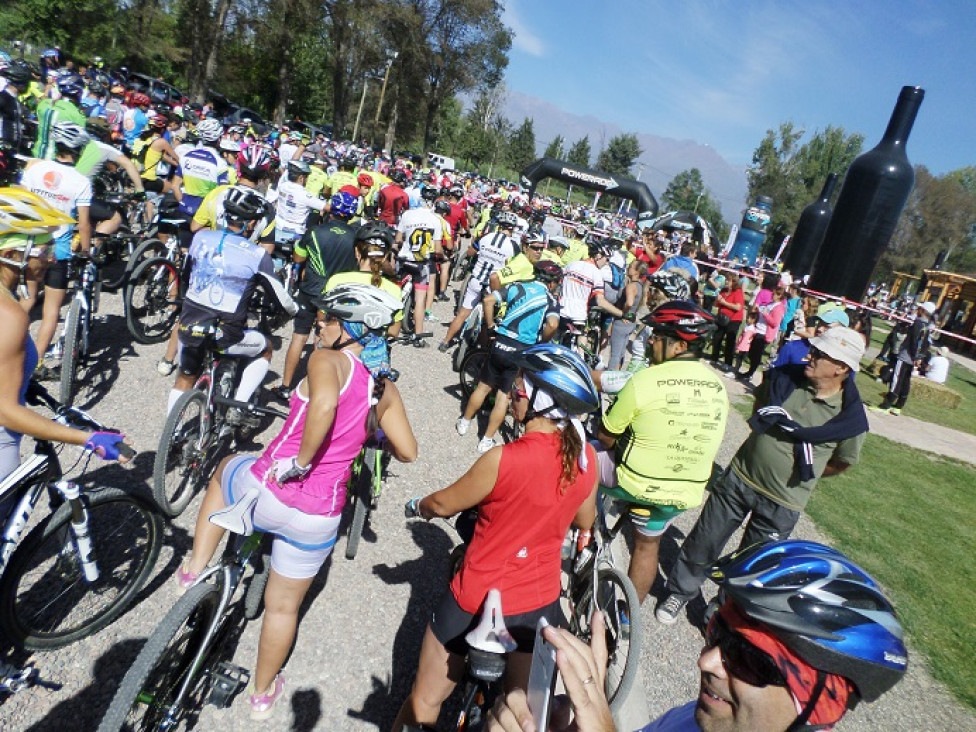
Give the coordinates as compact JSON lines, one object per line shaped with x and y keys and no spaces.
{"x":361,"y":501}
{"x":126,"y":559}
{"x":407,"y":324}
{"x":71,"y":356}
{"x":161,"y":666}
{"x":146,"y":249}
{"x":254,"y":596}
{"x":179,"y":453}
{"x":614,"y":587}
{"x":471,"y":370}
{"x":119,"y":263}
{"x":150,"y":310}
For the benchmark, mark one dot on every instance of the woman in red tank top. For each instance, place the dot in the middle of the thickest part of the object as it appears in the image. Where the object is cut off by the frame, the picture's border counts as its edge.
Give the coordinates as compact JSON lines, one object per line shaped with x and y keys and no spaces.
{"x":527,"y":493}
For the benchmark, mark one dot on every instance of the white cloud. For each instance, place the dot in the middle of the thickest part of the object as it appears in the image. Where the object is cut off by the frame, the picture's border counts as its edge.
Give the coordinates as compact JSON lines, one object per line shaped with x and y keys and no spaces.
{"x":523,"y":39}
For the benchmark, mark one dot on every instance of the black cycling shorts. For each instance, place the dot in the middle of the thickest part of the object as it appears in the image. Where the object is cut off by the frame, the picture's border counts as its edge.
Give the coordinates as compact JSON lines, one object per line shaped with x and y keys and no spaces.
{"x":56,"y":276}
{"x":450,"y":624}
{"x":305,"y":317}
{"x":153,"y":186}
{"x":100,"y":211}
{"x":500,"y":370}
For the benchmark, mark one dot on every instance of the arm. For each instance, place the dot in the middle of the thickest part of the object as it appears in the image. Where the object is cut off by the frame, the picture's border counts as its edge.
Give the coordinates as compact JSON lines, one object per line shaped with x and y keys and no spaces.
{"x":549,"y":327}
{"x":586,"y":514}
{"x":834,"y":467}
{"x":467,"y":491}
{"x":396,"y":426}
{"x":605,"y":305}
{"x":130,"y":170}
{"x":84,"y":228}
{"x":488,"y":303}
{"x":169,"y":154}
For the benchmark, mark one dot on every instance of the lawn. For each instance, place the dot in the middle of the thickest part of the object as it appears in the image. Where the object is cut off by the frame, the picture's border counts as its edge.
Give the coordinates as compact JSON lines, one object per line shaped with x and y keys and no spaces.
{"x":906,"y":516}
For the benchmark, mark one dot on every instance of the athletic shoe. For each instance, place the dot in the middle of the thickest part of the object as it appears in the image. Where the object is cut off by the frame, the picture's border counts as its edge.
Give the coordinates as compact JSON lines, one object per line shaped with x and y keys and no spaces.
{"x":729,"y":374}
{"x":234,"y":417}
{"x":443,"y":347}
{"x":419,"y":342}
{"x":485,"y":445}
{"x":262,"y":705}
{"x":462,"y":425}
{"x":165,"y":368}
{"x":879,"y":409}
{"x":184,"y":577}
{"x":281,"y":393}
{"x":667,"y":611}
{"x":441,"y":297}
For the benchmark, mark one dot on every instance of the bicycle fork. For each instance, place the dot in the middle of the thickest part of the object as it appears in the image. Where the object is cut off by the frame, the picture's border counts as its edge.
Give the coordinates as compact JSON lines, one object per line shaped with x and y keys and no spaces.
{"x":79,"y":530}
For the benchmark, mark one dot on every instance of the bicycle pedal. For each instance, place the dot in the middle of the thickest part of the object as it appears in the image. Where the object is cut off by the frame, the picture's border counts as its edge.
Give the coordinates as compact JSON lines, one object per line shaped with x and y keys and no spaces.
{"x":227,"y":682}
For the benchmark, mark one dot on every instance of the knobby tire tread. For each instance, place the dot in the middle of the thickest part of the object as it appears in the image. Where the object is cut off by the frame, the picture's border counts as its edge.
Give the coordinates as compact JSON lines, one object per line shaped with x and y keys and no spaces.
{"x":71,"y":356}
{"x":133,"y":316}
{"x":173,"y":507}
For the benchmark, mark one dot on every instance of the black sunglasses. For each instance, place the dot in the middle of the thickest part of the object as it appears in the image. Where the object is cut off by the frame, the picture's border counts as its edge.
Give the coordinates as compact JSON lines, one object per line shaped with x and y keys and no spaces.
{"x":537,"y":249}
{"x":740,"y":658}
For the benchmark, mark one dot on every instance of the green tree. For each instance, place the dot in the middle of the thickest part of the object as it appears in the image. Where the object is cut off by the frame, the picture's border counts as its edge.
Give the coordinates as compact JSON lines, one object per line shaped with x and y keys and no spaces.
{"x":555,"y":148}
{"x":579,"y":153}
{"x":687,"y":192}
{"x":521,"y":145}
{"x":619,"y":155}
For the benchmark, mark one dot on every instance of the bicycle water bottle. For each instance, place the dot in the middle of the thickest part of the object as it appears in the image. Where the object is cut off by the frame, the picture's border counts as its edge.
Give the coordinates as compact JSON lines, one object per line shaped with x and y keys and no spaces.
{"x":752,"y":231}
{"x":875,"y":191}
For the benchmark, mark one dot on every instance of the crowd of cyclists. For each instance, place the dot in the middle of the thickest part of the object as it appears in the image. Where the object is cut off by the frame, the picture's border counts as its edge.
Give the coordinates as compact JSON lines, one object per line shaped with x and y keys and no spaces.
{"x":358,"y":226}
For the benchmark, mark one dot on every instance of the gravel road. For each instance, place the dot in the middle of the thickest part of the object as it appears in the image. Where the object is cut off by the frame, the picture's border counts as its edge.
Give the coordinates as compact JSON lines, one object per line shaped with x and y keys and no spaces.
{"x":359,"y":638}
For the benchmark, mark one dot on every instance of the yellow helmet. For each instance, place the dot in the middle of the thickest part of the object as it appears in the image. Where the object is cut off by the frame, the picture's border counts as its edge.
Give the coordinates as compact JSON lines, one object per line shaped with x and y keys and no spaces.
{"x":24,"y":212}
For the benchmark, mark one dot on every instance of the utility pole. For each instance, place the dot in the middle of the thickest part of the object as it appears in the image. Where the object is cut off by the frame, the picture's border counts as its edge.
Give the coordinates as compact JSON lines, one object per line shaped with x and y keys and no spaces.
{"x":386,"y":78}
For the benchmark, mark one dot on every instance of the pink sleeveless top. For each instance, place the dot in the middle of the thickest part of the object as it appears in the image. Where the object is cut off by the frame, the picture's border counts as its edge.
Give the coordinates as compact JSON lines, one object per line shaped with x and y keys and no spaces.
{"x":323,"y":491}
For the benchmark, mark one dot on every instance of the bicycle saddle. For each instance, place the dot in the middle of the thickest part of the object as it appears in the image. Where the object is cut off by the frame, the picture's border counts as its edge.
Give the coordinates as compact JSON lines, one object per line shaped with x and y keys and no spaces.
{"x":491,"y":635}
{"x":239,"y":516}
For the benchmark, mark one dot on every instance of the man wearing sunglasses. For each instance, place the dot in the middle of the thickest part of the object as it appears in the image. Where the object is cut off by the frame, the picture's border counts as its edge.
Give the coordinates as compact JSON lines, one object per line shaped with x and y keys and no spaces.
{"x":809,"y":421}
{"x":780,"y":654}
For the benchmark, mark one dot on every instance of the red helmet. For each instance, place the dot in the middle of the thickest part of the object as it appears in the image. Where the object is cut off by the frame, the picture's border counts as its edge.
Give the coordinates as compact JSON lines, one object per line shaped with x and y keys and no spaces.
{"x":158,"y":122}
{"x":365,"y":179}
{"x":138,"y":99}
{"x":681,"y":319}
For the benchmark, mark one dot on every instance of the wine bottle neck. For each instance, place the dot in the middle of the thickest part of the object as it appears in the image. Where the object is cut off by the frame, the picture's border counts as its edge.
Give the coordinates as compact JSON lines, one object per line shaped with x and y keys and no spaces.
{"x":903,"y":118}
{"x":828,"y":188}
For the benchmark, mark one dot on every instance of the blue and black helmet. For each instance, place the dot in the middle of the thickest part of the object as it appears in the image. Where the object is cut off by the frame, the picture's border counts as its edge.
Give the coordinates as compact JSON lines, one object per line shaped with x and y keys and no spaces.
{"x":560,"y":373}
{"x":344,"y":205}
{"x":821,"y":605}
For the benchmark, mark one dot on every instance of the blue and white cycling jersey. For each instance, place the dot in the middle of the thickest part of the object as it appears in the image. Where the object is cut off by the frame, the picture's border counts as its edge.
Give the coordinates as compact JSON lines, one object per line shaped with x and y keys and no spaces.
{"x":202,"y":169}
{"x":529,"y":304}
{"x":224,"y":269}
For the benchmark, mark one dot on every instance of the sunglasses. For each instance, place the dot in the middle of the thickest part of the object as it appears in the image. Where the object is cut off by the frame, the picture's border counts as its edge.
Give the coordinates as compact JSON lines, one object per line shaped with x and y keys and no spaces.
{"x":538,"y":249}
{"x":740,"y":658}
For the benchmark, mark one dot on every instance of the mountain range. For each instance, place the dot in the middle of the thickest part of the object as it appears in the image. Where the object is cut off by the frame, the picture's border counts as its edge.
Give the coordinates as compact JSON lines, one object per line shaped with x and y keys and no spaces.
{"x":662,"y":157}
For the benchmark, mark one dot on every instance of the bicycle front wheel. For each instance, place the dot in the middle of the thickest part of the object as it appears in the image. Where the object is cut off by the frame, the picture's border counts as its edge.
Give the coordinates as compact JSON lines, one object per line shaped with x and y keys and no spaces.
{"x":179,"y":469}
{"x":362,"y":500}
{"x":151,"y":300}
{"x":45,"y":600}
{"x":471,"y":368}
{"x":616,"y":598}
{"x":146,"y":698}
{"x":71,"y":357}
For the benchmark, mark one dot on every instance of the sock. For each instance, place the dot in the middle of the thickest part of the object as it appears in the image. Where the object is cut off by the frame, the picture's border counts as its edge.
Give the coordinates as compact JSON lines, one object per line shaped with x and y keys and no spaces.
{"x":174,"y":395}
{"x":251,"y":379}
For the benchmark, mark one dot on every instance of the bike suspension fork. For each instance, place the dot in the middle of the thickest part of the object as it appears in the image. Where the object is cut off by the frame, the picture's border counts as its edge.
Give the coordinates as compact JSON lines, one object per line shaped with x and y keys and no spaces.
{"x":79,"y":529}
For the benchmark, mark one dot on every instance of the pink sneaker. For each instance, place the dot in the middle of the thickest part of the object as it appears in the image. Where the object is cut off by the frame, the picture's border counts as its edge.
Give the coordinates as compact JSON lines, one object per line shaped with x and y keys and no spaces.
{"x":184,"y":577}
{"x":262,"y":705}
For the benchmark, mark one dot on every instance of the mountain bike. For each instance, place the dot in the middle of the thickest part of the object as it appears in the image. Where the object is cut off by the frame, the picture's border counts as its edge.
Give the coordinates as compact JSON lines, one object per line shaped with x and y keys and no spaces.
{"x":75,"y":336}
{"x":82,"y":565}
{"x":181,"y":666}
{"x":117,"y":249}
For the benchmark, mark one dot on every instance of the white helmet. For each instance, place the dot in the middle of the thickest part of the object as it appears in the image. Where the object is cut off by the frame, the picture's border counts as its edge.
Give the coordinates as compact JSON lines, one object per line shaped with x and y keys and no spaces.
{"x":210,"y":130}
{"x":361,"y":303}
{"x":70,"y":135}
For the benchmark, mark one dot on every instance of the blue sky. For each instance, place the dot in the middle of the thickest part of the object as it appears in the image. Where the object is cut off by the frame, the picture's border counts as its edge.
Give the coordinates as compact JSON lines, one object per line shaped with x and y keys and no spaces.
{"x":722,"y":73}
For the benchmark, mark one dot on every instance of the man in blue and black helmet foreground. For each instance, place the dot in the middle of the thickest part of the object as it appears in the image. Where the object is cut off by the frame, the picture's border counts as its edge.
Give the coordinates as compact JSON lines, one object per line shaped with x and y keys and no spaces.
{"x":799,"y":636}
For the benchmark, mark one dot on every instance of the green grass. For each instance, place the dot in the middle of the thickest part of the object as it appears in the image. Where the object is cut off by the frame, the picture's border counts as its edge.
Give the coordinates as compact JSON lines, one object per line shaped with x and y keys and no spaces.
{"x":906,"y":516}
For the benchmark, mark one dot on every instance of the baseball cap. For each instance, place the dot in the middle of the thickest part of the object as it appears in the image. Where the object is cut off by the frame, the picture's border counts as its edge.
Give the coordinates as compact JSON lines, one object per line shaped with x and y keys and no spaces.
{"x":928,"y":307}
{"x":841,"y":344}
{"x":832,"y":313}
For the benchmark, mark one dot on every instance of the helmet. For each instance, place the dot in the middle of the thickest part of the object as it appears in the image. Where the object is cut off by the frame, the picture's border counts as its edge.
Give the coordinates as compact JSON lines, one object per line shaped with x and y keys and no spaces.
{"x":298,"y":167}
{"x":348,"y":163}
{"x":377,"y":233}
{"x":210,"y":129}
{"x":228,"y":145}
{"x":822,"y":606}
{"x":70,"y":85}
{"x":428,"y":193}
{"x":399,"y":177}
{"x":361,"y":303}
{"x":681,"y":319}
{"x":536,"y":234}
{"x":24,"y":212}
{"x":457,"y":192}
{"x":444,"y":191}
{"x":244,"y":204}
{"x":159,"y":122}
{"x":581,"y":230}
{"x":598,"y":247}
{"x":560,"y":373}
{"x":253,"y":161}
{"x":139,"y":100}
{"x":506,"y":218}
{"x":70,"y":135}
{"x":547,"y":271}
{"x":558,"y":242}
{"x":442,"y":207}
{"x":365,"y":179}
{"x":344,"y":205}
{"x":17,"y":73}
{"x":928,"y":307}
{"x":672,"y":284}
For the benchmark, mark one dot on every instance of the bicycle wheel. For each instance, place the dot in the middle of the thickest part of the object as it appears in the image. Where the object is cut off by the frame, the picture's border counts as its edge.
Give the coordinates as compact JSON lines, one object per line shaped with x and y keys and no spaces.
{"x":181,"y":460}
{"x":617,"y":599}
{"x":145,"y":250}
{"x":45,"y":600}
{"x":471,"y":370}
{"x":146,"y":696}
{"x":254,"y":596}
{"x":362,"y":500}
{"x":151,"y":302}
{"x":71,"y":357}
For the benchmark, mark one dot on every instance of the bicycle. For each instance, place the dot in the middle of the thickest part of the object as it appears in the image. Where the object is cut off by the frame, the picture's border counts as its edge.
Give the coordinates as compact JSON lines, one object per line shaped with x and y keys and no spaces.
{"x":82,"y":565}
{"x":118,"y":248}
{"x":586,"y":340}
{"x":76,"y":334}
{"x":595,"y":583}
{"x":179,"y":669}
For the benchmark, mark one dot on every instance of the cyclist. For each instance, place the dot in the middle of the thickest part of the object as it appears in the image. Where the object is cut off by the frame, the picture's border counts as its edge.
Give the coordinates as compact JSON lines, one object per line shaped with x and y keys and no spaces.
{"x":301,"y":476}
{"x":135,"y":119}
{"x":325,"y":250}
{"x":801,"y":635}
{"x":583,"y":282}
{"x":69,"y":191}
{"x":492,"y":251}
{"x":420,"y":235}
{"x":392,"y":200}
{"x":531,"y":315}
{"x":201,"y":169}
{"x":252,"y":163}
{"x":664,"y":429}
{"x":528,"y":493}
{"x":12,"y":113}
{"x":224,"y":270}
{"x":293,"y":205}
{"x":67,"y":108}
{"x":26,"y":221}
{"x":522,"y":265}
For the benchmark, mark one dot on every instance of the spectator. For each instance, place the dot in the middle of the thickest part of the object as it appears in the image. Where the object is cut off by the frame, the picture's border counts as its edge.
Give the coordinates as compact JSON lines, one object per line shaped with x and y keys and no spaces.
{"x":797,"y":352}
{"x":767,"y":330}
{"x":911,"y":355}
{"x":938,"y":366}
{"x":731,"y":309}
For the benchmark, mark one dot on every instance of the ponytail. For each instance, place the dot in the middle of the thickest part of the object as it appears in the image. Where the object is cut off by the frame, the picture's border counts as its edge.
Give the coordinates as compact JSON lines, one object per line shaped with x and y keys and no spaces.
{"x":376,"y":269}
{"x":372,"y":417}
{"x":570,"y":448}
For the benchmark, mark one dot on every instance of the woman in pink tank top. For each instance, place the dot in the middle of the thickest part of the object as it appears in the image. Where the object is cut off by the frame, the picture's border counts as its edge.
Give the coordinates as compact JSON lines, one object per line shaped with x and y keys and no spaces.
{"x":301,"y":476}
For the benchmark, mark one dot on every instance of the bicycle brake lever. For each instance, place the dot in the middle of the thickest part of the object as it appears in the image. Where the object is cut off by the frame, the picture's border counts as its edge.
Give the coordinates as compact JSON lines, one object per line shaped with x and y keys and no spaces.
{"x":125,"y":451}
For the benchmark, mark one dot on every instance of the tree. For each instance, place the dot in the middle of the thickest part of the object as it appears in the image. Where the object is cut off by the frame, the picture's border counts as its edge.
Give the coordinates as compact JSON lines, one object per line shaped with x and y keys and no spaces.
{"x":555,"y":148}
{"x":579,"y":153}
{"x":687,"y":192}
{"x":619,"y":155}
{"x":521,"y":145}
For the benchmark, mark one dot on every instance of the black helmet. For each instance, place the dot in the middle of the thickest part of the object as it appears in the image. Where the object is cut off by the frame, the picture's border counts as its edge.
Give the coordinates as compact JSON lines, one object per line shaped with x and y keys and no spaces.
{"x":244,"y":204}
{"x":596,"y":247}
{"x":681,"y":319}
{"x":377,"y":233}
{"x":399,"y":177}
{"x":428,"y":193}
{"x":348,"y":163}
{"x":671,"y":283}
{"x":547,"y":271}
{"x":442,"y":207}
{"x":18,"y":74}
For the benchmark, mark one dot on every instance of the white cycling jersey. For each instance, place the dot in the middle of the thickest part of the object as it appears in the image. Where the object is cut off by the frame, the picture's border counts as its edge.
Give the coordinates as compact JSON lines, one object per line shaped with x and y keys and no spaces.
{"x":580,"y":281}
{"x":293,"y":205}
{"x":493,"y":251}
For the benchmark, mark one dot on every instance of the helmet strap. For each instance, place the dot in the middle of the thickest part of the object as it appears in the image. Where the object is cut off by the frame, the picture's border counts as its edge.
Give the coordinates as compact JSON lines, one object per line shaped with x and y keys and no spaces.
{"x":800,"y":722}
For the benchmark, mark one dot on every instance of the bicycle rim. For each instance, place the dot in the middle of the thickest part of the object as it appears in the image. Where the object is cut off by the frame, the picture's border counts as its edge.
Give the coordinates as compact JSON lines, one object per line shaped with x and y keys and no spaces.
{"x":471,"y":370}
{"x":151,"y":300}
{"x":182,"y":454}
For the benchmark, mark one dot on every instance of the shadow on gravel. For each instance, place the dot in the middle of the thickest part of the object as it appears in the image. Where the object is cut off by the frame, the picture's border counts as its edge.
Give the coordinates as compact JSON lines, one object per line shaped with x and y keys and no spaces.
{"x":84,"y":709}
{"x":306,"y":710}
{"x":427,"y":577}
{"x":110,"y":342}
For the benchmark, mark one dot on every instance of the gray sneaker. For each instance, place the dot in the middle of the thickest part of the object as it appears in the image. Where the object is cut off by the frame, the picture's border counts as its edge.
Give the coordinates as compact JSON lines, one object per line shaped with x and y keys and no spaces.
{"x":485,"y":445}
{"x":667,"y":611}
{"x":461,"y":426}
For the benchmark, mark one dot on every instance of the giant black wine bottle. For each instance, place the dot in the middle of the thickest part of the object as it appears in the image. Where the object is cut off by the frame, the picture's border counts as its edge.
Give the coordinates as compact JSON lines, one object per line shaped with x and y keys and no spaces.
{"x":810,"y":230}
{"x":874,"y":193}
